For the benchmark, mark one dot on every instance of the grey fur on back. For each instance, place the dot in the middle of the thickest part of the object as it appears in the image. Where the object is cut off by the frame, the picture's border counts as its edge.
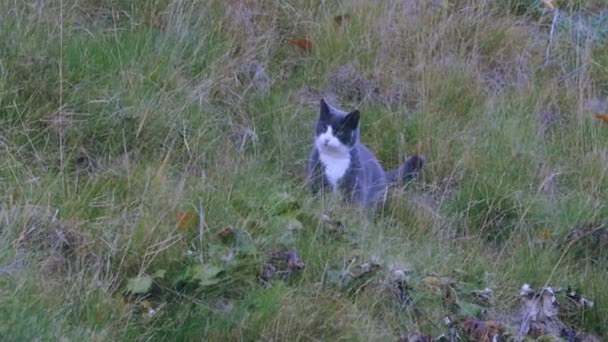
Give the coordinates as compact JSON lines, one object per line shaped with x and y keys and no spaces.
{"x":364,"y":182}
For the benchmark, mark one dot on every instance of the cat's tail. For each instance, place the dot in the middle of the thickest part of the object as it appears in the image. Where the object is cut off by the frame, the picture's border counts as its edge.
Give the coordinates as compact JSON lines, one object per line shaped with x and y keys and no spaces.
{"x":407,"y":171}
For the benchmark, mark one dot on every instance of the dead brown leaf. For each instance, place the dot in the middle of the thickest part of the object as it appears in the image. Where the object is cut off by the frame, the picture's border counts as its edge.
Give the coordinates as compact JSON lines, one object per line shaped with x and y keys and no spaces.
{"x":539,"y":313}
{"x":432,"y":281}
{"x":185,"y":219}
{"x":444,"y":285}
{"x":331,"y":224}
{"x":483,"y":331}
{"x":283,"y":264}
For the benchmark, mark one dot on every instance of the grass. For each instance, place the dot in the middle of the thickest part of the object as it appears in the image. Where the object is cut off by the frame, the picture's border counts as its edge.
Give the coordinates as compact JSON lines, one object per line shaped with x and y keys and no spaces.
{"x":116,"y":116}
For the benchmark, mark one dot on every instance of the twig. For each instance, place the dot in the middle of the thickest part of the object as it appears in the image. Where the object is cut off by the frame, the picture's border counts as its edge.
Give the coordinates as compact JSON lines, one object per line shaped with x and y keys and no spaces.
{"x":553,"y":24}
{"x":201,"y":222}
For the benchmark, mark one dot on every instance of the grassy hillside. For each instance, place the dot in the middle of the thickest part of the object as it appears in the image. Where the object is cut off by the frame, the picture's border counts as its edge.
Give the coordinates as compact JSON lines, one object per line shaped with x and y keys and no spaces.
{"x":152,"y":159}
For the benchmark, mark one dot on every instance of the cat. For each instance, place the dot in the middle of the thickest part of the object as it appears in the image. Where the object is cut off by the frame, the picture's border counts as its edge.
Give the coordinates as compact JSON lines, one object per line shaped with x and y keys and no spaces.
{"x":339,"y":163}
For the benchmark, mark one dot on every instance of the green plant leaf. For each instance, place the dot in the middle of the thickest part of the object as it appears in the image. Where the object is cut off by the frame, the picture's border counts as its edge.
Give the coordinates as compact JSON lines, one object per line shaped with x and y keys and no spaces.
{"x":283,"y":203}
{"x":207,"y":274}
{"x":285,"y":223}
{"x":159,"y":274}
{"x":285,"y":228}
{"x":470,"y":309}
{"x":139,"y":284}
{"x":244,"y":243}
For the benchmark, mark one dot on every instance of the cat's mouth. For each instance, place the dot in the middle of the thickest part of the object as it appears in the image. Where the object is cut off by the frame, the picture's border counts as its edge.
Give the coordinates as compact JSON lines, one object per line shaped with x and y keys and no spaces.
{"x":328,"y":148}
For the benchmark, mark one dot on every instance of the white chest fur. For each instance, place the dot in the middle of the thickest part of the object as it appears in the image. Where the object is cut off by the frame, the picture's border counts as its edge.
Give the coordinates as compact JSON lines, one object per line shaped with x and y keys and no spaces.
{"x":335,"y":167}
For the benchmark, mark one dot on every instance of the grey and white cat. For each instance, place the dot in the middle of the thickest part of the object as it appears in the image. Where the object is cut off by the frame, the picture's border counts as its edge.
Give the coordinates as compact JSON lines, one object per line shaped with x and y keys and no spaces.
{"x":339,"y":163}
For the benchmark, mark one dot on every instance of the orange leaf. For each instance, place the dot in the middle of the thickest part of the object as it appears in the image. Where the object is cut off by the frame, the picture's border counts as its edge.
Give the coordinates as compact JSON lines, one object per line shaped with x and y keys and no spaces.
{"x":601,"y":116}
{"x":185,"y":219}
{"x":304,"y":44}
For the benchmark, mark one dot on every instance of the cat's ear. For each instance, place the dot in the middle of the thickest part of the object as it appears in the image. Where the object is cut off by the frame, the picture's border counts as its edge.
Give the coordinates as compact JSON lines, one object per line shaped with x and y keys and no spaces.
{"x":351,"y":120}
{"x":325,"y":113}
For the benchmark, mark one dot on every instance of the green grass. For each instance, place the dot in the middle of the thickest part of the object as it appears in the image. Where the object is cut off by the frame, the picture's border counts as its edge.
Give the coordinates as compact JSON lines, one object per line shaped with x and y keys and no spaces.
{"x":117,"y":116}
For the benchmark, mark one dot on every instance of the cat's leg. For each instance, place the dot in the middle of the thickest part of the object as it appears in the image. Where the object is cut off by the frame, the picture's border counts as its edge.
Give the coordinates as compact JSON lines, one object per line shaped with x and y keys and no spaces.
{"x":351,"y":189}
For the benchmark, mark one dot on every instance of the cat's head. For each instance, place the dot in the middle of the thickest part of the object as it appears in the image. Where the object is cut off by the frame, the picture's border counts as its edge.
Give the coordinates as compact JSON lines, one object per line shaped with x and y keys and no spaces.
{"x":336,"y":132}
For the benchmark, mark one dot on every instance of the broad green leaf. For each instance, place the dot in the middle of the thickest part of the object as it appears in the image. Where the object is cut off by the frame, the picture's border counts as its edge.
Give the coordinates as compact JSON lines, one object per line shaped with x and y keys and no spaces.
{"x":283,"y":203}
{"x":285,"y":228}
{"x":140,"y":284}
{"x":207,"y":274}
{"x":470,"y":309}
{"x":244,"y":242}
{"x":286,"y":223}
{"x":159,"y":274}
{"x":287,"y":239}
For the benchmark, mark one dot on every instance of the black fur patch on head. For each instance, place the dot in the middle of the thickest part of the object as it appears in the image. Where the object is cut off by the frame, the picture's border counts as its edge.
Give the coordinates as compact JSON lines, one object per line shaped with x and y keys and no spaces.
{"x":345,"y":128}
